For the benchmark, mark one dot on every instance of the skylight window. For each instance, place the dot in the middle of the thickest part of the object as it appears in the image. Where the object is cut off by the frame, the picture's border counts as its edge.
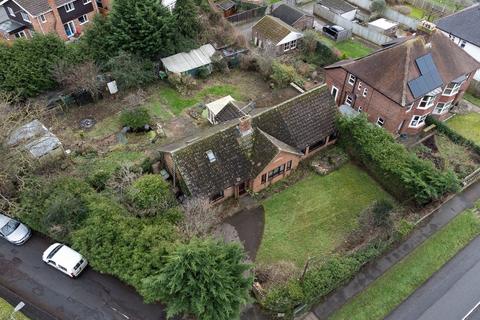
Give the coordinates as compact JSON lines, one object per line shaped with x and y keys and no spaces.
{"x":211,"y":156}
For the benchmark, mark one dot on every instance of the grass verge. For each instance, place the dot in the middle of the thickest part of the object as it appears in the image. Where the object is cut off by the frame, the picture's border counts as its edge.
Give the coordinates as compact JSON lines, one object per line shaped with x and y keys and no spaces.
{"x":315,"y":214}
{"x":380,"y":298}
{"x":467,"y":125}
{"x":6,"y":310}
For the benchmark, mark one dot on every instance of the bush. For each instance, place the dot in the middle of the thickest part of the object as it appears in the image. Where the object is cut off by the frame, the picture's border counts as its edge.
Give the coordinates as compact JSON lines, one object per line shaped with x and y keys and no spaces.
{"x":322,"y":55}
{"x":150,"y":195}
{"x":378,"y":6}
{"x":56,"y":208}
{"x":135,"y":119}
{"x":182,"y":83}
{"x":131,"y":71}
{"x":399,"y":171}
{"x":283,"y":74}
{"x":203,"y":72}
{"x":381,"y":213}
{"x":453,"y":135}
{"x":98,"y":180}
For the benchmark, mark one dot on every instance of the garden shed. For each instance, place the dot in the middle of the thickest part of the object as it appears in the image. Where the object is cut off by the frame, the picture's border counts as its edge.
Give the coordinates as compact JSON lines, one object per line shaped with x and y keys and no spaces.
{"x":190,"y":62}
{"x":384,"y":26}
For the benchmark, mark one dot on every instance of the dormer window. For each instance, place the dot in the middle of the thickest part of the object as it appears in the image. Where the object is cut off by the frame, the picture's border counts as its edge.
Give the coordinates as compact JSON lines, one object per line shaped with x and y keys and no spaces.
{"x":25,"y":16}
{"x":10,"y":10}
{"x":351,"y":79}
{"x":427,"y":102}
{"x":211,"y":156}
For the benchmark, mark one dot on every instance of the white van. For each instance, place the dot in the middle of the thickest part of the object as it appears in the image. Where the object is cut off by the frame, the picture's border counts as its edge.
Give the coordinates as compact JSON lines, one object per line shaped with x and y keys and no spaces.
{"x":65,"y":259}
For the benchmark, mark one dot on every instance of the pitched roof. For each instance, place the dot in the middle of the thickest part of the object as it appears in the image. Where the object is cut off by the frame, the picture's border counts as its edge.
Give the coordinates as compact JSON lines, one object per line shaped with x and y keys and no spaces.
{"x":216,"y":106}
{"x":389,"y":70}
{"x":34,"y":7}
{"x":289,"y":127}
{"x":464,"y":24}
{"x":230,"y":112}
{"x":186,"y":61}
{"x":273,"y":28}
{"x":339,"y":6}
{"x":226,"y":4}
{"x":287,"y":14}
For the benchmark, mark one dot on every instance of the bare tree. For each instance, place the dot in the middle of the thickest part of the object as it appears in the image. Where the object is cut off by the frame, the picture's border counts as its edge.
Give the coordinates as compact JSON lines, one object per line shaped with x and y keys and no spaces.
{"x":200,"y":217}
{"x":78,"y":77}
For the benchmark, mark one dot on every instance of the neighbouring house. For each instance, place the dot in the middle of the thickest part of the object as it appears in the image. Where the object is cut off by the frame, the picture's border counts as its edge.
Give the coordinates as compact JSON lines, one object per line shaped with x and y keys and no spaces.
{"x":274,"y":36}
{"x":463,"y":28}
{"x":251,"y":153}
{"x":384,"y":26}
{"x":293,"y":17}
{"x":226,"y":109}
{"x":190,"y":62}
{"x":399,"y":85}
{"x":63,"y":17}
{"x":228,"y":7}
{"x":340,"y":7}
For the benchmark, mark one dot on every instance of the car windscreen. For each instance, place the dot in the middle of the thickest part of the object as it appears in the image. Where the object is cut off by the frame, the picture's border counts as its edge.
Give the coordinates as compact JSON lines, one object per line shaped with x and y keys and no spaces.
{"x":11,"y":226}
{"x":55,"y":250}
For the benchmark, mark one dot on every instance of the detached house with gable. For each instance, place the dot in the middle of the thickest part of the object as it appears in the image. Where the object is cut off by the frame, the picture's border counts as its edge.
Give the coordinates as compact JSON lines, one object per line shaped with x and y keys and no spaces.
{"x":66,"y":18}
{"x":254,"y":151}
{"x":398,"y":86}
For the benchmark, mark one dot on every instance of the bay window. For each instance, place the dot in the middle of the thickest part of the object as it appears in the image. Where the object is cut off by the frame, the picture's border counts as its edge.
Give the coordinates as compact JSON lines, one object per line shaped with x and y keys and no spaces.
{"x":452,"y":88}
{"x":442,"y":107}
{"x":417,"y":121}
{"x":426,"y":102}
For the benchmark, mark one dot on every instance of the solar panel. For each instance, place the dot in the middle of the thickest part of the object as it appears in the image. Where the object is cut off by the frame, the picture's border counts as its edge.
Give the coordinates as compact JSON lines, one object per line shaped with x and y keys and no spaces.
{"x":429,"y":79}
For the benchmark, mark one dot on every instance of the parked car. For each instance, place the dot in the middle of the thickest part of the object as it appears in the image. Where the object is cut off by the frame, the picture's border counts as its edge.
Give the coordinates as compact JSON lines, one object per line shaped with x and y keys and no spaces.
{"x":65,"y":259}
{"x":13,"y":231}
{"x":332,"y":31}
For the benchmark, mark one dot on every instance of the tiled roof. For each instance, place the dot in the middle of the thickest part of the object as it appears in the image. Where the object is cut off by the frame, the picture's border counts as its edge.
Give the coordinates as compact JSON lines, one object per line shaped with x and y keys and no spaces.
{"x":464,"y":24}
{"x":273,"y":28}
{"x":289,"y":126}
{"x":34,"y":7}
{"x":389,"y":70}
{"x":287,"y":14}
{"x":229,"y":112}
{"x":339,"y":6}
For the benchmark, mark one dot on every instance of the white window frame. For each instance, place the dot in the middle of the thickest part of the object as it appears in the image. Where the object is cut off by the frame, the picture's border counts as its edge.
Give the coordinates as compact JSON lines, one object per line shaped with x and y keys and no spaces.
{"x":452,"y":89}
{"x":417,"y":121}
{"x":85,"y":17}
{"x":365,"y":92}
{"x":69,"y":7}
{"x":11,"y":12}
{"x":351,"y":79}
{"x":87,"y":1}
{"x":462,"y":43}
{"x":360,"y":109}
{"x":43,"y":18}
{"x":444,"y":108}
{"x":336,"y":93}
{"x":429,"y":101}
{"x":25,"y":16}
{"x":211,"y":156}
{"x":21,"y":34}
{"x":72,"y":27}
{"x":380,"y":122}
{"x":290,"y":45}
{"x":360,"y":85}
{"x":347,"y":98}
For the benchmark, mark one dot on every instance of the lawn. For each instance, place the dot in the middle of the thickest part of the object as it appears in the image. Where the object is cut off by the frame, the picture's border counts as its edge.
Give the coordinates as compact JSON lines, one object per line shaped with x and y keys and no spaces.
{"x":416,"y":13}
{"x":6,"y":310}
{"x":470,"y":98}
{"x":468,"y":125}
{"x":313,"y":216}
{"x":380,"y":298}
{"x":351,"y":48}
{"x":176,"y":103}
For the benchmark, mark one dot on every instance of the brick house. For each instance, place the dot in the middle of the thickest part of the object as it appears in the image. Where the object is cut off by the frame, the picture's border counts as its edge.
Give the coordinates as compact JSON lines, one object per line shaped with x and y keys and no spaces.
{"x":399,"y":85}
{"x":64,"y":17}
{"x":293,"y":17}
{"x":254,"y":151}
{"x":274,"y":36}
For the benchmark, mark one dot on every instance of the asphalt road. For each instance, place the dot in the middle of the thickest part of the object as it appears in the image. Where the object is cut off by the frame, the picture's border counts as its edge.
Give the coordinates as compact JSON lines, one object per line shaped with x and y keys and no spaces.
{"x":453,"y":293}
{"x":51,"y":295}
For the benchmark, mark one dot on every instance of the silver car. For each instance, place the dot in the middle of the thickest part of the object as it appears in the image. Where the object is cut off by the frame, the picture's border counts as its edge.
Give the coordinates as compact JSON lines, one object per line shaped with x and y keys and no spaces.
{"x":14,"y":231}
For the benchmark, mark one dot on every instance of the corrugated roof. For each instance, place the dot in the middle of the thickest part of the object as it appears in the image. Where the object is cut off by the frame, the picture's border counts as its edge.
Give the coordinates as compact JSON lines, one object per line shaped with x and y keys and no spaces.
{"x":464,"y":24}
{"x":186,"y":61}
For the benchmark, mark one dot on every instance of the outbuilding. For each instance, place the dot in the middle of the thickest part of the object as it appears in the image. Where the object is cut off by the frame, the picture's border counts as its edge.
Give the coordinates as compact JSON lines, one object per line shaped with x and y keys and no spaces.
{"x":190,"y":62}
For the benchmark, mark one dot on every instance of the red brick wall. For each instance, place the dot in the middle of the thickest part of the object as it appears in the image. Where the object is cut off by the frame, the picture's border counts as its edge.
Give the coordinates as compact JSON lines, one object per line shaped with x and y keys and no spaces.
{"x":336,"y":77}
{"x":304,"y":23}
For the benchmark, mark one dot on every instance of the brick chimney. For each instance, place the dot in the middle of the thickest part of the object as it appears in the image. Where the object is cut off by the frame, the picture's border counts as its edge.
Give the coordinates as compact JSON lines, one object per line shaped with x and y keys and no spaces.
{"x":245,"y":125}
{"x":57,"y":24}
{"x":426,"y":29}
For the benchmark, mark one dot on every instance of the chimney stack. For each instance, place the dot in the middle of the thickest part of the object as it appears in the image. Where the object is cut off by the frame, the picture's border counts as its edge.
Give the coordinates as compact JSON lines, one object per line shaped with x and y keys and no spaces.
{"x":245,"y":125}
{"x":426,"y":29}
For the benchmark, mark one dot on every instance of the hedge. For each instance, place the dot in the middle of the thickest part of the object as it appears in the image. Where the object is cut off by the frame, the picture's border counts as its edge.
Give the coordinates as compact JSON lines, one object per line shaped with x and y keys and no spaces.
{"x":453,"y":135}
{"x":320,"y":281}
{"x":399,"y":171}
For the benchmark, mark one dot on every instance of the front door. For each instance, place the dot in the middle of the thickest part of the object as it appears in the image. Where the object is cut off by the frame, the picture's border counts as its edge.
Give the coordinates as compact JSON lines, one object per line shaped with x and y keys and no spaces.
{"x":242,"y":189}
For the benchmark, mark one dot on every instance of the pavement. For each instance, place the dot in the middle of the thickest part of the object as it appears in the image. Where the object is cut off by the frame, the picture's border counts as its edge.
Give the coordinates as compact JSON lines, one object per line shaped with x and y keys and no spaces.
{"x":49,"y":294}
{"x":371,"y":272}
{"x":451,"y":293}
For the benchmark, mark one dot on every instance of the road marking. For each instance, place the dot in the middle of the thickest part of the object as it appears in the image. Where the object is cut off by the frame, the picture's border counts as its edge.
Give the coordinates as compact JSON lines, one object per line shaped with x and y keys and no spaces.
{"x":124,"y":315}
{"x":471,"y":311}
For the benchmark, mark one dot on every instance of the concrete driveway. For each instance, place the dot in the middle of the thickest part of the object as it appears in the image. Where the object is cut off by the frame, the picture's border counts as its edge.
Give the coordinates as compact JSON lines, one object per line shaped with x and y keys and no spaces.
{"x":51,"y":295}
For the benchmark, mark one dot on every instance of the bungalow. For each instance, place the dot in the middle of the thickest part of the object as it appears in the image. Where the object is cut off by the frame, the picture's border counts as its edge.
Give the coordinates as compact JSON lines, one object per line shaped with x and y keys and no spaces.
{"x":274,"y":36}
{"x":399,"y":85}
{"x":293,"y":17}
{"x":463,"y":29}
{"x":190,"y":62}
{"x":254,"y":151}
